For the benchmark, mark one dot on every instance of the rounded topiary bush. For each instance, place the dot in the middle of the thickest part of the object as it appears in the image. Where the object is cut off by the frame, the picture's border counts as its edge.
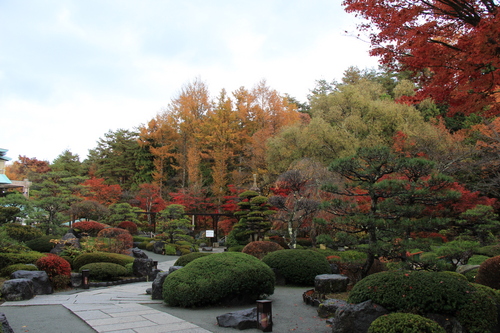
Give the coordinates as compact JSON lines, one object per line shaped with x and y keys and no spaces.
{"x":429,"y":292}
{"x":488,"y":273}
{"x":128,"y":225}
{"x":7,"y":271}
{"x":187,"y":258}
{"x":404,"y":323}
{"x":298,"y":266}
{"x":105,"y":271}
{"x":90,"y":228}
{"x":259,"y":249}
{"x":115,"y":240}
{"x":89,"y":258}
{"x":41,"y":244}
{"x":54,"y":265}
{"x":218,"y":279}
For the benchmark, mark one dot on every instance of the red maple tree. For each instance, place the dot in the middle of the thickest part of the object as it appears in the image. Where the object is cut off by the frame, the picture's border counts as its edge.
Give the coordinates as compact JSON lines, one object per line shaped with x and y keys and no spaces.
{"x":104,"y":194}
{"x":451,"y":47}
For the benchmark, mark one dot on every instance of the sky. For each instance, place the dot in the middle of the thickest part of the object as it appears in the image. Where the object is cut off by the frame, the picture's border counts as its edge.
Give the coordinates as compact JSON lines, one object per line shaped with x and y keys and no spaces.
{"x":72,"y":70}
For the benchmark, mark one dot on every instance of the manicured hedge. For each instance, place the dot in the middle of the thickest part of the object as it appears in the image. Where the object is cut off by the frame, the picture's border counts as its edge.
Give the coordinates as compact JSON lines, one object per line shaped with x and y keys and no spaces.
{"x":187,"y":258}
{"x":430,"y":292}
{"x":7,"y":259}
{"x":298,"y":267}
{"x":218,"y":279}
{"x":22,"y":233}
{"x":105,"y":271}
{"x":7,"y":271}
{"x":88,"y":258}
{"x":404,"y":323}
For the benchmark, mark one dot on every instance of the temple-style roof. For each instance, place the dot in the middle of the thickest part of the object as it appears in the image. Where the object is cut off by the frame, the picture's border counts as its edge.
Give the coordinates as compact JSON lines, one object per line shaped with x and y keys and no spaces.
{"x":2,"y":154}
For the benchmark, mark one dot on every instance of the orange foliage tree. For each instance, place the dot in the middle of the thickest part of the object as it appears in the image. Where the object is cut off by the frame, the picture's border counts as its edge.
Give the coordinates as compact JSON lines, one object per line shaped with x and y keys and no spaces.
{"x":97,"y":190}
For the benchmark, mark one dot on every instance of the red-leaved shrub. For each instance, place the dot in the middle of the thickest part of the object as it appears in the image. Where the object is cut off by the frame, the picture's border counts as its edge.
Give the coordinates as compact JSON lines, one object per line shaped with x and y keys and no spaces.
{"x":54,"y":265}
{"x":280,"y":240}
{"x":128,"y":225}
{"x":488,"y":273}
{"x":259,"y":249}
{"x":115,"y":240}
{"x":91,"y":228}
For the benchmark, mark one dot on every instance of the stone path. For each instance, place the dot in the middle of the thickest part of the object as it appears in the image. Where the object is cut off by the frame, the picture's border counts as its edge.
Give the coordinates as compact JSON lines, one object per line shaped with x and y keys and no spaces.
{"x":117,"y":309}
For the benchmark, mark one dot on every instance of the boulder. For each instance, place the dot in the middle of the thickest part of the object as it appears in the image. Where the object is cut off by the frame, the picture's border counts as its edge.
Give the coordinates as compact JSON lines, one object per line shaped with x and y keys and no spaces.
{"x":242,"y":320}
{"x":450,"y":324}
{"x":328,"y":307}
{"x":138,"y":253}
{"x":207,"y":249}
{"x":67,"y":240}
{"x":356,"y":317}
{"x":40,"y":279}
{"x":465,"y":268}
{"x":174,"y":268}
{"x":157,"y":288}
{"x":4,"y":324}
{"x":330,"y":283}
{"x":17,"y":290}
{"x":142,"y":267}
{"x":159,"y":247}
{"x":335,"y":268}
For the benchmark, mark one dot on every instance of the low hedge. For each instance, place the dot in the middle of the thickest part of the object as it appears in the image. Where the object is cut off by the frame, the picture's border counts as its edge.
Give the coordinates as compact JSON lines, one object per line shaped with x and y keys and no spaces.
{"x":7,"y":271}
{"x":7,"y":259}
{"x":89,"y":258}
{"x":105,"y":271}
{"x":220,"y":278}
{"x":429,"y":292}
{"x":404,"y":323}
{"x":22,"y":233}
{"x":298,"y":267}
{"x":187,"y":258}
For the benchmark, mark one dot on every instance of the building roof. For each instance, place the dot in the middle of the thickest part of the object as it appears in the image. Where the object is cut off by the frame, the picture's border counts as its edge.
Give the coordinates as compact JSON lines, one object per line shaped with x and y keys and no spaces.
{"x":4,"y":179}
{"x":2,"y":154}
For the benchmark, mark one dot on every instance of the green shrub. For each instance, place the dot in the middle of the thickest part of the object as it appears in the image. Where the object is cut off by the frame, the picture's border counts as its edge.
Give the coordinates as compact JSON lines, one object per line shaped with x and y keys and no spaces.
{"x":88,"y":258}
{"x":471,"y":275}
{"x":130,"y":268}
{"x":298,"y":267}
{"x":477,"y":259}
{"x":429,"y":292}
{"x":305,"y":242}
{"x":7,"y":259}
{"x":404,"y":323}
{"x":22,"y":233}
{"x":139,"y":239}
{"x":41,"y":244}
{"x":490,"y":250}
{"x":488,"y":273}
{"x":259,"y":249}
{"x":186,"y":259}
{"x":217,"y":279}
{"x":105,"y":271}
{"x":170,"y":250}
{"x":480,"y":313}
{"x":150,"y":246}
{"x":7,"y":271}
{"x":236,"y":248}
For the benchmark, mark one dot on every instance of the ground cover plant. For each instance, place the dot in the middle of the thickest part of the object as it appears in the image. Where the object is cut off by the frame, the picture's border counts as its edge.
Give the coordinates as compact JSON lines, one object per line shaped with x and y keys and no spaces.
{"x":298,"y":267}
{"x":218,"y":279}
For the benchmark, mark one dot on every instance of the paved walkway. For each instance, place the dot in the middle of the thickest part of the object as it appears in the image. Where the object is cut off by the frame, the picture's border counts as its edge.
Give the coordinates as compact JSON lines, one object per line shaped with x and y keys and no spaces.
{"x":117,"y":309}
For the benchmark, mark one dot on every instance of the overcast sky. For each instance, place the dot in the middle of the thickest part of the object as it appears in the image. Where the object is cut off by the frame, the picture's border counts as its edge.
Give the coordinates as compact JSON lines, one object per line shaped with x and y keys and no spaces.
{"x":72,"y":70}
